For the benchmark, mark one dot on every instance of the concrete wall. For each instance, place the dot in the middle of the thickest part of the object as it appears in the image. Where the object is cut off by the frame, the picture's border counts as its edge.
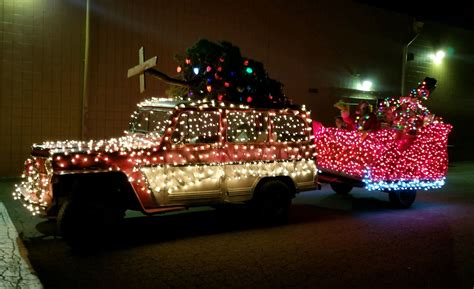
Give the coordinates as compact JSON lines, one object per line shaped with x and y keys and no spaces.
{"x":323,"y":45}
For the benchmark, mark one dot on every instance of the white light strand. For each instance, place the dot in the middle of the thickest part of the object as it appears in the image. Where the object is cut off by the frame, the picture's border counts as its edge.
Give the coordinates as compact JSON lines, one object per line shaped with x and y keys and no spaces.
{"x":138,"y":149}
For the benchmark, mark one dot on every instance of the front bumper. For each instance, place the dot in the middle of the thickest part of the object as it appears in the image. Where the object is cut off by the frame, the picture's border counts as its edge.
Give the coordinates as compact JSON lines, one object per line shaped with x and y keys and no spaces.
{"x":35,"y":191}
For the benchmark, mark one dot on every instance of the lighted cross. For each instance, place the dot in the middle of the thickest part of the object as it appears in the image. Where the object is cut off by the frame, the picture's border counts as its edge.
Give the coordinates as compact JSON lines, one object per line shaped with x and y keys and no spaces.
{"x":148,"y":66}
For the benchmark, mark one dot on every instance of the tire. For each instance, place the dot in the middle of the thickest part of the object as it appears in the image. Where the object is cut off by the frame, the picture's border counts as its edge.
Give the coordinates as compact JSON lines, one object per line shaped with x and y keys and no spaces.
{"x":402,"y":199}
{"x":84,"y":225}
{"x":341,"y":188}
{"x":272,"y":202}
{"x":66,"y":221}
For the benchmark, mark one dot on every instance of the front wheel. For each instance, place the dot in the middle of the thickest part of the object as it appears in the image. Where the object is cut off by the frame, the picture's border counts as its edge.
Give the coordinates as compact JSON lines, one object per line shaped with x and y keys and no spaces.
{"x":83,"y":225}
{"x":402,"y":199}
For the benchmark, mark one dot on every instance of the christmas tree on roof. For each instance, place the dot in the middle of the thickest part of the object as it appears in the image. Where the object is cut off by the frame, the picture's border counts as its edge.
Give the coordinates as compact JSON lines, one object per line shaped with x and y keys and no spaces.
{"x":218,"y":71}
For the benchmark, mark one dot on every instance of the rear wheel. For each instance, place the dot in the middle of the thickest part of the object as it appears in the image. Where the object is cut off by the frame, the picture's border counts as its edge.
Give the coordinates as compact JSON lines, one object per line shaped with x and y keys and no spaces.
{"x":402,"y":199}
{"x":272,"y":202}
{"x":341,"y":188}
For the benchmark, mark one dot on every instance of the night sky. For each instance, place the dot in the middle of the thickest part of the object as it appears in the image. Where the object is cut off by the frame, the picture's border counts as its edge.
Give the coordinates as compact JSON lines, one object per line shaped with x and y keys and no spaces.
{"x":453,"y":13}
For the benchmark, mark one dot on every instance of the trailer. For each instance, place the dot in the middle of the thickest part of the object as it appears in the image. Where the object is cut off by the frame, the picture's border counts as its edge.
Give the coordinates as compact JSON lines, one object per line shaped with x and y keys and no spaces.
{"x":385,"y":160}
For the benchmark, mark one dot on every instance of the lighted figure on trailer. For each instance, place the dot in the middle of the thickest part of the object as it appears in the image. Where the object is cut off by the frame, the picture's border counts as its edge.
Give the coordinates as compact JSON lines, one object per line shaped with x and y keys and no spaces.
{"x":408,"y":153}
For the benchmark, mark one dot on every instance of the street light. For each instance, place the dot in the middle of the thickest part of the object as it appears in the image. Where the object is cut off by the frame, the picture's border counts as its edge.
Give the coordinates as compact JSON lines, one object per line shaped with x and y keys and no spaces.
{"x":366,"y":85}
{"x":438,"y":56}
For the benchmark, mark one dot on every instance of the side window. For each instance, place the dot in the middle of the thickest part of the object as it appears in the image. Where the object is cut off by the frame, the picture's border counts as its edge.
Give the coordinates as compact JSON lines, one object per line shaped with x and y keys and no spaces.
{"x":288,"y":128}
{"x":141,"y":122}
{"x":247,"y":126}
{"x":196,"y":127}
{"x":158,"y":121}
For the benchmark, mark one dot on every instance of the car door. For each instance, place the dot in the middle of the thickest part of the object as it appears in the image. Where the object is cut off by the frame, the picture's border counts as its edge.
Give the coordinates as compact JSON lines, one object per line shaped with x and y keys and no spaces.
{"x":194,"y":173}
{"x":247,"y":151}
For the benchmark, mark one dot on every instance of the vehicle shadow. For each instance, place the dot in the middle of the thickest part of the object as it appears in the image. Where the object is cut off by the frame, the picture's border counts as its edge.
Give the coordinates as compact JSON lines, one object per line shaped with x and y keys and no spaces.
{"x":142,"y":230}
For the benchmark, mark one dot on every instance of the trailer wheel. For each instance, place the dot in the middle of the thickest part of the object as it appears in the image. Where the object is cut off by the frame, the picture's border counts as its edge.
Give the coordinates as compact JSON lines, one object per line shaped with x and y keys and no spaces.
{"x":402,"y":199}
{"x":341,"y":188}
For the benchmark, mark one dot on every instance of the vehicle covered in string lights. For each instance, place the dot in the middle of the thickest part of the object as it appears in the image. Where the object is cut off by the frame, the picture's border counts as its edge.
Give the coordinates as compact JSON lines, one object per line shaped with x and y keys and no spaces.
{"x":176,"y":154}
{"x":407,"y":154}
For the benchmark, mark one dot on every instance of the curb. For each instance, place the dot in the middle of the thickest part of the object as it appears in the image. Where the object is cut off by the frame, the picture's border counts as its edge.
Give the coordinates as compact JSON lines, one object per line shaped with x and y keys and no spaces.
{"x":15,"y":268}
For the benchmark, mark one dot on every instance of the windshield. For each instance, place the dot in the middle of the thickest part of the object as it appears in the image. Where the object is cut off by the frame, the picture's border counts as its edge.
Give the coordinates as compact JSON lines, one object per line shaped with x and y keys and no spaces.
{"x":150,"y":121}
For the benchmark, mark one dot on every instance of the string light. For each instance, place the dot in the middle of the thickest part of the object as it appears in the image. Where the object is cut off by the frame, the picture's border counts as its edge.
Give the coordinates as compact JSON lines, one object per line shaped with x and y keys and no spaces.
{"x":408,"y":114}
{"x":177,"y":144}
{"x":218,"y":71}
{"x":166,"y":178}
{"x":386,"y":159}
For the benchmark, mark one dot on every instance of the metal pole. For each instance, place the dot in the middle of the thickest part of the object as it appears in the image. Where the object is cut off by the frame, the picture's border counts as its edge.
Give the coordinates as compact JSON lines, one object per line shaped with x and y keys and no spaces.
{"x":404,"y":62}
{"x":85,"y":103}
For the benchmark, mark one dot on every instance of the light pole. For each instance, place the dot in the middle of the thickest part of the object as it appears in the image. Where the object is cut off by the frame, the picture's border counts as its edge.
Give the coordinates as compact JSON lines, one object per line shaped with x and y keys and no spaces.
{"x":85,"y":103}
{"x":417,"y":26}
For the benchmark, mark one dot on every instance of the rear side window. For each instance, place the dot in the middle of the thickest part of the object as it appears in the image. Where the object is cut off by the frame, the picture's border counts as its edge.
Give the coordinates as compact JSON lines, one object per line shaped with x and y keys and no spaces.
{"x":247,"y":126}
{"x":288,"y":128}
{"x":197,"y":127}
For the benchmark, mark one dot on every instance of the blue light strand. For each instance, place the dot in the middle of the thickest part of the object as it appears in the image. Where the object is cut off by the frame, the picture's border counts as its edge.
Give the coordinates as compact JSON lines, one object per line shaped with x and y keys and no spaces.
{"x":402,"y":184}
